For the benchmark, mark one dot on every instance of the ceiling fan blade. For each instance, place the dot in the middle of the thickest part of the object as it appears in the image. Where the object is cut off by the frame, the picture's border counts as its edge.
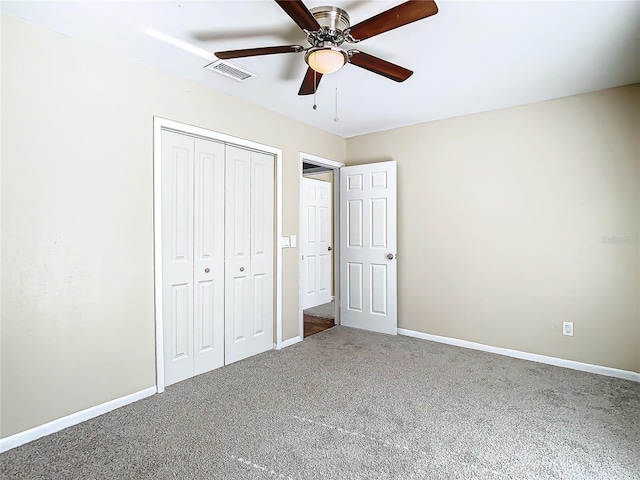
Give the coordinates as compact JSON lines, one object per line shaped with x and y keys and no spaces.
{"x":395,"y":17}
{"x":300,"y":14}
{"x":308,"y":87}
{"x":379,"y":66}
{"x":252,"y":52}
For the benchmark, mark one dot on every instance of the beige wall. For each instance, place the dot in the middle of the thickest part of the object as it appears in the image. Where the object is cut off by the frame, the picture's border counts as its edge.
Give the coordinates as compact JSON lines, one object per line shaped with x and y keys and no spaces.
{"x":501,"y":223}
{"x":77,"y":216}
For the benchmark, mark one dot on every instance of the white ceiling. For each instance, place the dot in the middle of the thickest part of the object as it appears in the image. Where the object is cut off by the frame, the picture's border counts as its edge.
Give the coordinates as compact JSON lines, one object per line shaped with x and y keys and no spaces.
{"x":472,"y":56}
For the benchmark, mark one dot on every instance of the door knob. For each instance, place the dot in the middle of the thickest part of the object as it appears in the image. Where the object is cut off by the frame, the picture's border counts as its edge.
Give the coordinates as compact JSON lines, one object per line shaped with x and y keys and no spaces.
{"x":390,"y":256}
{"x":242,"y":269}
{"x":329,"y":248}
{"x":207,"y":270}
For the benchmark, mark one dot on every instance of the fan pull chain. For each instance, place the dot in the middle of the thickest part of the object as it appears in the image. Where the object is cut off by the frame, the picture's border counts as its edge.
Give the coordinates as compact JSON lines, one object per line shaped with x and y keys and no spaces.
{"x":315,"y":89}
{"x":336,"y":119}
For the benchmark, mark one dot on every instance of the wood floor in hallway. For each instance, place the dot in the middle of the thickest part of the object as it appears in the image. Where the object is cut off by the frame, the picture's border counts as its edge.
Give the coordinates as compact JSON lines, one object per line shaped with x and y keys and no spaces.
{"x":313,"y":325}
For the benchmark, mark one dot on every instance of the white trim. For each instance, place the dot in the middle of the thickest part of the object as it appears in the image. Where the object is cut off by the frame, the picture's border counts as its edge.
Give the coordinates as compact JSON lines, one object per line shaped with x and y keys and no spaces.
{"x":335,"y":166}
{"x":288,"y":343}
{"x":159,"y":124}
{"x":157,"y":250}
{"x":336,"y":247}
{"x":75,"y":418}
{"x":217,"y":136}
{"x":278,"y":247}
{"x":534,"y":357}
{"x":300,"y":227}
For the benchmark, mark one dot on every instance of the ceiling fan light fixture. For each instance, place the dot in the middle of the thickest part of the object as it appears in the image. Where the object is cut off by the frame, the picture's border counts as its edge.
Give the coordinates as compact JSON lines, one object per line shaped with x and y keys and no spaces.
{"x":326,"y":60}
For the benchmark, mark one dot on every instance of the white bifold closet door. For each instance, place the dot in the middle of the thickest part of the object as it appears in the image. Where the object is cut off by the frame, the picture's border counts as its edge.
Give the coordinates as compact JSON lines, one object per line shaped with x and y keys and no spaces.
{"x":249,"y":242}
{"x":193,"y":255}
{"x":217,"y":202}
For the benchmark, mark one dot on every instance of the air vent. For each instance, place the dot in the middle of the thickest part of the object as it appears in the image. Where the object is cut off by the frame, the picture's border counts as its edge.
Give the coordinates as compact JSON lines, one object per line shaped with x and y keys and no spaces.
{"x":228,"y":70}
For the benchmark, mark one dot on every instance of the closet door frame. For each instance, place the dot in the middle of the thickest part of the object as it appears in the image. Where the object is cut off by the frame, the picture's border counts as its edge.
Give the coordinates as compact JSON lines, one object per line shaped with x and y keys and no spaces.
{"x":160,"y":124}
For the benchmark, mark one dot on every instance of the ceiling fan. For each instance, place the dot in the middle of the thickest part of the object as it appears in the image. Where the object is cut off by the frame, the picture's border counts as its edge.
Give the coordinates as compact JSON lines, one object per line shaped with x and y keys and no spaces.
{"x":327,"y":28}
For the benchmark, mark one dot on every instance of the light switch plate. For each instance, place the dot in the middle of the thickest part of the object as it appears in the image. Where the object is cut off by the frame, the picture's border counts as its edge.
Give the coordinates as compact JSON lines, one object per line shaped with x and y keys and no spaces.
{"x":294,"y":242}
{"x":285,"y":242}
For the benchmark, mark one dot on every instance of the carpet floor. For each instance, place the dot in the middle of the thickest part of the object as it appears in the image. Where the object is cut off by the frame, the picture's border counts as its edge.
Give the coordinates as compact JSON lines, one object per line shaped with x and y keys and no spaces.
{"x":349,"y":404}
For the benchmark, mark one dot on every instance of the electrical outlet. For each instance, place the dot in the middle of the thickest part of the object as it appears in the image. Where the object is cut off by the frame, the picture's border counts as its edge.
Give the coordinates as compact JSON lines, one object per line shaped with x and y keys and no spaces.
{"x":567,"y":328}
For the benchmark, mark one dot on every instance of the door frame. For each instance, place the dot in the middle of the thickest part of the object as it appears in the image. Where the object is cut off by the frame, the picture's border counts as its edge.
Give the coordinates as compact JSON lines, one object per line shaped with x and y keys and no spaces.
{"x":160,"y":124}
{"x":335,"y":186}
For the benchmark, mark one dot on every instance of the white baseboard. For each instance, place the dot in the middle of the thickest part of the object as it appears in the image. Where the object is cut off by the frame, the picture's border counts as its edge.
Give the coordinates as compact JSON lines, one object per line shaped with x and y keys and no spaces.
{"x":288,"y":343}
{"x":559,"y":362}
{"x":61,"y":423}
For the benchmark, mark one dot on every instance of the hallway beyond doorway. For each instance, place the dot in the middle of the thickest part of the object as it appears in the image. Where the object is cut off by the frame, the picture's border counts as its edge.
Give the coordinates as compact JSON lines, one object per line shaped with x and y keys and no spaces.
{"x":318,"y":319}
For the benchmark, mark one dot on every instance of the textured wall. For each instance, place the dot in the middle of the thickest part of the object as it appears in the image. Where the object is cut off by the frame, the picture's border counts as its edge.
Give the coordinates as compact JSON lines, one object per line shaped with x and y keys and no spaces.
{"x":513,"y":221}
{"x":77,"y":216}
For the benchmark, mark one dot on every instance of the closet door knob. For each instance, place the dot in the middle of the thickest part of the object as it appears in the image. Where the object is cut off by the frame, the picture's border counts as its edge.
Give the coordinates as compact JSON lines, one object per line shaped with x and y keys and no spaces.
{"x":207,"y":270}
{"x":242,"y":269}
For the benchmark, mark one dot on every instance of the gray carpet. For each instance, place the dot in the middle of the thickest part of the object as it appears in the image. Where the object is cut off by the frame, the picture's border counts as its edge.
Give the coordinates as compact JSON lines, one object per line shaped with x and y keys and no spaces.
{"x":347,"y":404}
{"x":326,"y":310}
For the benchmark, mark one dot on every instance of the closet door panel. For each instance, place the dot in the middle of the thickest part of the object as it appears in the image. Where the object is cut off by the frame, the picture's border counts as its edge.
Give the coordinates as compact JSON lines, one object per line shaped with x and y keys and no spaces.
{"x":238,"y":314}
{"x":177,"y":255}
{"x":208,"y":267}
{"x":262,"y":243}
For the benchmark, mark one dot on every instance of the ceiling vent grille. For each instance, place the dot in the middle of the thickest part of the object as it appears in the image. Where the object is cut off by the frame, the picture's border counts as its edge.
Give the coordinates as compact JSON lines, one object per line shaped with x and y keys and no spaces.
{"x":228,"y":70}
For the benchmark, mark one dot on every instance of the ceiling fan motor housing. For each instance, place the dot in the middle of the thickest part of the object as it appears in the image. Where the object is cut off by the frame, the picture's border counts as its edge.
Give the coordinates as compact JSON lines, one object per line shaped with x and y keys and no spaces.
{"x":333,"y":22}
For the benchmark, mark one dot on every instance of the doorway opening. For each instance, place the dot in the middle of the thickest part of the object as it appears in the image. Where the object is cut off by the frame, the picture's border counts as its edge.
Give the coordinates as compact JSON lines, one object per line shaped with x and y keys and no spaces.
{"x":319,"y":255}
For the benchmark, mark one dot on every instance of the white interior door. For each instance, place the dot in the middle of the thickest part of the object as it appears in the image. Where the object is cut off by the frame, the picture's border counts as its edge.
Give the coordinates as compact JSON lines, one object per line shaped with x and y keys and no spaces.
{"x":316,"y":242}
{"x":368,"y":267}
{"x":249,"y":233}
{"x":193,"y":255}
